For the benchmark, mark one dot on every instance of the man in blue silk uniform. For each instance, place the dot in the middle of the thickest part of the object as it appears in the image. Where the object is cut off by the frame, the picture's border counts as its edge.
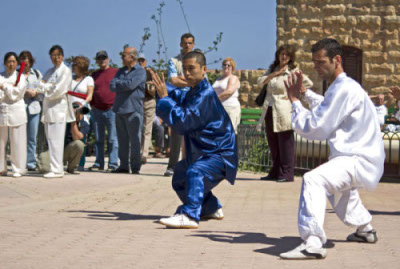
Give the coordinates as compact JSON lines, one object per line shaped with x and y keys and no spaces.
{"x":211,"y":153}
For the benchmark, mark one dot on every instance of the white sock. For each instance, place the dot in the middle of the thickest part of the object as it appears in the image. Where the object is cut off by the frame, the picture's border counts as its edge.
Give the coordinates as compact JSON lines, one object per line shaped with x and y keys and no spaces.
{"x":314,"y":241}
{"x":365,"y":228}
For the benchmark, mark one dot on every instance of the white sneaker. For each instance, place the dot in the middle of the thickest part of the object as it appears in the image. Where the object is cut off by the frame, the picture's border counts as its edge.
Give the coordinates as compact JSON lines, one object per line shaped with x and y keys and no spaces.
{"x":180,"y":221}
{"x":304,"y":252}
{"x":17,"y":175}
{"x":363,"y":237}
{"x":218,"y":215}
{"x":52,"y":175}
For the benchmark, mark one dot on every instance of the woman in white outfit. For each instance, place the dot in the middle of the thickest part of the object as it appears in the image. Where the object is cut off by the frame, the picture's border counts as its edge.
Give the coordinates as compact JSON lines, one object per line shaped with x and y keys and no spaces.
{"x":57,"y":110}
{"x":227,"y":89}
{"x":12,"y":117}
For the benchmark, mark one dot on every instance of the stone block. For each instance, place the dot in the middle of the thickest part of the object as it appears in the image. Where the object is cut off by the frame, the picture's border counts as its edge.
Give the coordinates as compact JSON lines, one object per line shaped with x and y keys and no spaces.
{"x":303,"y":56}
{"x":329,"y":10}
{"x":384,"y":68}
{"x":393,"y":79}
{"x":355,"y":42}
{"x":392,"y":44}
{"x":335,"y":20}
{"x":311,"y":22}
{"x":361,"y":10}
{"x":362,"y":34}
{"x":376,"y":57}
{"x":367,"y":44}
{"x":394,"y":54}
{"x":391,"y":22}
{"x":369,"y":21}
{"x":397,"y":68}
{"x":394,"y":34}
{"x":374,"y":80}
{"x":292,"y":23}
{"x":351,"y":21}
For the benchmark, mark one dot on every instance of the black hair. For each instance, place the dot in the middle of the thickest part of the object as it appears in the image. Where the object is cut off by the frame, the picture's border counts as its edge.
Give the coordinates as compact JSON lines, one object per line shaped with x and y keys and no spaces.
{"x":9,"y":54}
{"x":199,"y":56}
{"x":187,"y":35}
{"x":331,"y":46}
{"x":56,"y":47}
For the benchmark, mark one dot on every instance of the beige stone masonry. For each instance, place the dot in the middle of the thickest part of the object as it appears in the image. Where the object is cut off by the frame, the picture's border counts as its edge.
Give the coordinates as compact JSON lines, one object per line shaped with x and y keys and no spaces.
{"x":369,"y":25}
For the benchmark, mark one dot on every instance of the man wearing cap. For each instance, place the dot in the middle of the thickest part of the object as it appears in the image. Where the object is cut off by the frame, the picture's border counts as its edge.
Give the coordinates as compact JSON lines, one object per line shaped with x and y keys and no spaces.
{"x":129,"y":86}
{"x":149,"y":110}
{"x":103,"y":115}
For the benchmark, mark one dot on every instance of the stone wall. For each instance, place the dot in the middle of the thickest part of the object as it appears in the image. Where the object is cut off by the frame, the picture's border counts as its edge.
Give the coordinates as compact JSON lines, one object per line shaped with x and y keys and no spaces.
{"x":370,"y":25}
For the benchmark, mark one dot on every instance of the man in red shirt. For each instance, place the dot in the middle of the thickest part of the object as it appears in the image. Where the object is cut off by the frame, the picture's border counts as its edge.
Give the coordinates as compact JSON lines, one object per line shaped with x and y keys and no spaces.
{"x":102,"y":112}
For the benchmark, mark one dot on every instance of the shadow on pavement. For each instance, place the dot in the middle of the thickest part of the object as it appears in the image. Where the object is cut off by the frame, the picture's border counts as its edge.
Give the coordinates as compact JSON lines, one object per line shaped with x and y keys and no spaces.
{"x":107,"y":215}
{"x":376,"y":212}
{"x":278,"y":245}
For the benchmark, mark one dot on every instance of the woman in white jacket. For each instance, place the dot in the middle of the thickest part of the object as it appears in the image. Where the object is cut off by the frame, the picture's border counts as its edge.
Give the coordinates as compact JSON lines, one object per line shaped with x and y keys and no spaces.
{"x":12,"y":117}
{"x":57,"y":110}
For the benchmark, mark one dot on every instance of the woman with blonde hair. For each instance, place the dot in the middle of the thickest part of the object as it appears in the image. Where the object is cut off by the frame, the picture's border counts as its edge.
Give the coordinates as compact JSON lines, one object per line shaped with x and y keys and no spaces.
{"x":227,"y":88}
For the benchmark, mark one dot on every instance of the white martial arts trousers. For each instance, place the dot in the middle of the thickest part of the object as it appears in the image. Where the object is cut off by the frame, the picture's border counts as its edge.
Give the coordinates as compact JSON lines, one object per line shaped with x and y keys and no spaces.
{"x":336,"y":180}
{"x":55,"y":133}
{"x":17,"y":147}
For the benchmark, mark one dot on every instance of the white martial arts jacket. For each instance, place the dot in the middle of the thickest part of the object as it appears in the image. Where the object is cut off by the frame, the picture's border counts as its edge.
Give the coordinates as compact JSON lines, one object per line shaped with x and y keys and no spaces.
{"x":56,"y":107}
{"x":346,"y":117}
{"x":12,"y":105}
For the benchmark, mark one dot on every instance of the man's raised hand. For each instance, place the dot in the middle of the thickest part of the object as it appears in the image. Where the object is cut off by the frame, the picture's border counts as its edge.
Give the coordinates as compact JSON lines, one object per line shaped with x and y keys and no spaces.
{"x":158,"y":83}
{"x":294,"y":86}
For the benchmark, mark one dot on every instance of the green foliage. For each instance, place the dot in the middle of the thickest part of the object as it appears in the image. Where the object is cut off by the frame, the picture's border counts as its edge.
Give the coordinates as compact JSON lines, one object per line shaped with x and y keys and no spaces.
{"x":212,"y":76}
{"x":255,"y":156}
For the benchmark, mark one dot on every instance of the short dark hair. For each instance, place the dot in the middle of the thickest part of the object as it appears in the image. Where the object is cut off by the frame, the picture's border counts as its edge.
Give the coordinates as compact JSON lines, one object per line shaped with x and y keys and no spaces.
{"x":187,"y":35}
{"x":26,"y":54}
{"x":199,"y":56}
{"x":56,"y":47}
{"x":331,"y":46}
{"x":9,"y":54}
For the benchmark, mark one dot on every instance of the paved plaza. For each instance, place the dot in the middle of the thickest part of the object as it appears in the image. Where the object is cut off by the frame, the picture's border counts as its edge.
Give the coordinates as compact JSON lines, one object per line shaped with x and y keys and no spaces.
{"x":101,"y":220}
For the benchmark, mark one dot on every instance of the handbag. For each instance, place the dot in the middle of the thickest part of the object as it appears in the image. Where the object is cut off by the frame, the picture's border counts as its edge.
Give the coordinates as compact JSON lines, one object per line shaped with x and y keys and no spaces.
{"x":261,"y":96}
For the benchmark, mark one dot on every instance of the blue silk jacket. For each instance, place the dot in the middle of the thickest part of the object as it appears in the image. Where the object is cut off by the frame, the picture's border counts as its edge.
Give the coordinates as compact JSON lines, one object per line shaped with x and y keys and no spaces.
{"x":200,"y":117}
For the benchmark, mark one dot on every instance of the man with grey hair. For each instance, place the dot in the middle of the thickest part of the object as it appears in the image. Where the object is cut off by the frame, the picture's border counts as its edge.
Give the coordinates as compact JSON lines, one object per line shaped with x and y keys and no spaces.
{"x":129,"y":85}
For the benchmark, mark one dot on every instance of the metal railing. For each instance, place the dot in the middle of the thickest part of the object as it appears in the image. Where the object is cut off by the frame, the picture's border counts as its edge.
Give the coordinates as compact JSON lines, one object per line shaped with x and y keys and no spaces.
{"x":255,"y":155}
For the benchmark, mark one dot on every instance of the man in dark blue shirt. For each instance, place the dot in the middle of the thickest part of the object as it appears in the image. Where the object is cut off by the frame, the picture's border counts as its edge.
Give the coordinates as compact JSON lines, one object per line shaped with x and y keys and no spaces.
{"x":210,"y":143}
{"x":129,"y":85}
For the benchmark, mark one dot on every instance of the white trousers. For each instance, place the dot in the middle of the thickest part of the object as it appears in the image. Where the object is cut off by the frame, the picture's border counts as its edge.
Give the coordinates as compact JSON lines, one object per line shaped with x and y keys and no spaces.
{"x":17,"y":147}
{"x":234,"y":113}
{"x":55,"y":133}
{"x":335,"y":180}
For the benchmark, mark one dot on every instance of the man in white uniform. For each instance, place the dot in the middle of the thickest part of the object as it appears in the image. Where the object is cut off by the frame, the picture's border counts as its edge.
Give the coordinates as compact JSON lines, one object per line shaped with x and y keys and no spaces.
{"x":346,"y":117}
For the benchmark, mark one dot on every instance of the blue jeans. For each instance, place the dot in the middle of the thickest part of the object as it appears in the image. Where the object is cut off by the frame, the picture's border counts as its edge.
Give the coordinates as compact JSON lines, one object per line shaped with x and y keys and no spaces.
{"x":32,"y":128}
{"x":106,"y":119}
{"x":129,"y":130}
{"x":193,"y":184}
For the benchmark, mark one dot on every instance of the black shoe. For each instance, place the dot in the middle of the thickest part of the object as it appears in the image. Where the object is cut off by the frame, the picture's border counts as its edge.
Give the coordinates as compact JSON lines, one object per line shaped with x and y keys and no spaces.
{"x":268,"y":178}
{"x":32,"y":169}
{"x":120,"y":170}
{"x":72,"y":172}
{"x":135,"y":172}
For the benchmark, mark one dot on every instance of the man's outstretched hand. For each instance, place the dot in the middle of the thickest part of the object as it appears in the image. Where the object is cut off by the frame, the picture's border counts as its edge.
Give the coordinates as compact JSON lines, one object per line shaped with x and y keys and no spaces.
{"x":158,"y":83}
{"x":294,"y":86}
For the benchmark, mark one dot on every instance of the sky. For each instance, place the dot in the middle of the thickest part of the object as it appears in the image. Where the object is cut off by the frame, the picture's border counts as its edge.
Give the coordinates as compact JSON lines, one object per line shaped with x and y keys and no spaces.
{"x":83,"y":27}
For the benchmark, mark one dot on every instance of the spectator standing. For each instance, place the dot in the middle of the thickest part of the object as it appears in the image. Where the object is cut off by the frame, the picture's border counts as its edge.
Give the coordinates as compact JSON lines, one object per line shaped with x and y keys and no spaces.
{"x":129,"y":86}
{"x":176,"y":78}
{"x":149,"y":110}
{"x":277,"y":114}
{"x":227,"y":88}
{"x":381,"y":109}
{"x":32,"y":100}
{"x":57,"y":110}
{"x":103,"y":115}
{"x":12,"y":117}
